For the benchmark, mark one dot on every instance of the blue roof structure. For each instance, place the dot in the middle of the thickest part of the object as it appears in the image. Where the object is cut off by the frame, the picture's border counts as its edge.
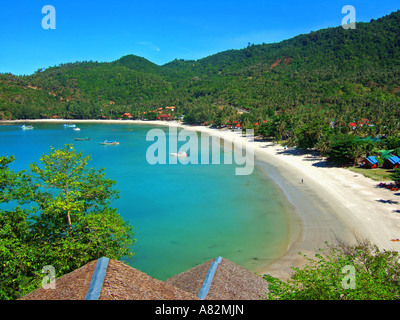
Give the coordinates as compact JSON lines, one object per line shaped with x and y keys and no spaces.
{"x":372,"y":160}
{"x":96,"y":283}
{"x":394,"y":159}
{"x":209,"y":277}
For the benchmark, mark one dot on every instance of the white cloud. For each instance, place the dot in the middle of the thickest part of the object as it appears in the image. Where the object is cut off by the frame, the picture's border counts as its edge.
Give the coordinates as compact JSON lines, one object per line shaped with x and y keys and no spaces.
{"x":150,"y":45}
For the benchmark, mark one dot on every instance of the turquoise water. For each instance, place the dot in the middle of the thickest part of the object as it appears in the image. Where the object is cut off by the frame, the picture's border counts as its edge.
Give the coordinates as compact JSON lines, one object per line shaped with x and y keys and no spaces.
{"x":182,"y":215}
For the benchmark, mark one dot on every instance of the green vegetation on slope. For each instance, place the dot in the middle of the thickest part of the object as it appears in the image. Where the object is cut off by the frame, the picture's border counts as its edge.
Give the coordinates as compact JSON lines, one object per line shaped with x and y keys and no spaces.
{"x":309,"y":89}
{"x":343,"y":272}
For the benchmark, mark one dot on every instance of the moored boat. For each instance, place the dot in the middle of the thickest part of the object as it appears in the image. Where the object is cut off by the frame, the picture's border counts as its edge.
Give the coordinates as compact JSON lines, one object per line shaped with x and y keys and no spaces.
{"x":179,"y":154}
{"x":82,"y":139}
{"x":24,"y":127}
{"x":107,"y":142}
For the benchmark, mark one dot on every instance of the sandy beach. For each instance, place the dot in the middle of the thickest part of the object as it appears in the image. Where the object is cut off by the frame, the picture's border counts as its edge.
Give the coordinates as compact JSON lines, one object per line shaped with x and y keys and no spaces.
{"x":331,"y":203}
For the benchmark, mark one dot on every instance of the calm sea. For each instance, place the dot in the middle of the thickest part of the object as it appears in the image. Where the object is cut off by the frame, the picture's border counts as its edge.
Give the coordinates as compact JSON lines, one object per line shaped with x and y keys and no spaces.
{"x":182,"y":215}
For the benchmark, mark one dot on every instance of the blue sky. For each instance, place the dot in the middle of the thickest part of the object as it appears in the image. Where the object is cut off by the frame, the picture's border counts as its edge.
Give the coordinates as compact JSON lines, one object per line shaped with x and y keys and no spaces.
{"x":159,"y":31}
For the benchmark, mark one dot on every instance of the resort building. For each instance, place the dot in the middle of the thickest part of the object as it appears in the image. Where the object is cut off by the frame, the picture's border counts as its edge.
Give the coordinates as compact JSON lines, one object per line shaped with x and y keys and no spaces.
{"x":127,"y":115}
{"x":371,"y":162}
{"x":392,"y":162}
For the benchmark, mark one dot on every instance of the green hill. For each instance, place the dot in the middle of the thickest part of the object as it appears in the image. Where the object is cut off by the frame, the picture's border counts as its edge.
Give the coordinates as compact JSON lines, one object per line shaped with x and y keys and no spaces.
{"x":330,"y":75}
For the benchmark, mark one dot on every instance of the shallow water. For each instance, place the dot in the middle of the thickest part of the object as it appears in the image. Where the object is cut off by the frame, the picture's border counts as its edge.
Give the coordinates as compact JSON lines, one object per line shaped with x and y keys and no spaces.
{"x":182,"y":214}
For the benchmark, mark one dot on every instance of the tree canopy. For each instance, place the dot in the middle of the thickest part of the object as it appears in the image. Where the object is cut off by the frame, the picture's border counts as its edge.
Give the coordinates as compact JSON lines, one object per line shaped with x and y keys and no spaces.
{"x":342,"y":272}
{"x":58,"y":214}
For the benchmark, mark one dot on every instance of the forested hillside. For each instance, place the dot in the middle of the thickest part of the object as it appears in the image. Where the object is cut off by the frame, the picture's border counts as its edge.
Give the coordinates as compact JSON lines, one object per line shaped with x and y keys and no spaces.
{"x":306,"y":87}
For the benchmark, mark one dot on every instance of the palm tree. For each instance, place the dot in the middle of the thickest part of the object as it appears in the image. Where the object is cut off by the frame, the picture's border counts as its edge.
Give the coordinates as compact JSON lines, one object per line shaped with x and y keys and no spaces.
{"x":281,"y":130}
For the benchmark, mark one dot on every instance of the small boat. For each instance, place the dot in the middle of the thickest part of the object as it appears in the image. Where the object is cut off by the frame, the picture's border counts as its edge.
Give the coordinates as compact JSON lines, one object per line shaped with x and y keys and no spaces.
{"x":77,"y":129}
{"x":179,"y":154}
{"x":69,"y":125}
{"x":82,"y":139}
{"x":24,"y":127}
{"x":106,"y":142}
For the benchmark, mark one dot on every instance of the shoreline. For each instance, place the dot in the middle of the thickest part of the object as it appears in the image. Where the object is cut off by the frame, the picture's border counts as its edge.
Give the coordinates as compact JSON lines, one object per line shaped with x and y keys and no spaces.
{"x":332,"y":203}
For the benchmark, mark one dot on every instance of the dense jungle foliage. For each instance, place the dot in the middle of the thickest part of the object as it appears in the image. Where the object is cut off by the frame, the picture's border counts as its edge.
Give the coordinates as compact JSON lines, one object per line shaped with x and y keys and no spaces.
{"x":308,"y":90}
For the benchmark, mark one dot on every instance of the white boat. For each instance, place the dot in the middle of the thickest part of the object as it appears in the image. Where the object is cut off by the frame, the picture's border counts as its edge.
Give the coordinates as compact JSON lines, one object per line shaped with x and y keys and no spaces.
{"x":106,"y":142}
{"x":77,"y":129}
{"x":179,"y":154}
{"x":24,"y":127}
{"x":69,"y":125}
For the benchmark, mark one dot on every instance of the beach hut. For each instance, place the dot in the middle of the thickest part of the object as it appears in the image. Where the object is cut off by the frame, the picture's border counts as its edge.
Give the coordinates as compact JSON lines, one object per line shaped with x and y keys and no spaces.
{"x":127,"y":115}
{"x":353,"y":125}
{"x":165,"y":116}
{"x":106,"y":279}
{"x":220,"y":279}
{"x":392,"y":162}
{"x":371,"y":162}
